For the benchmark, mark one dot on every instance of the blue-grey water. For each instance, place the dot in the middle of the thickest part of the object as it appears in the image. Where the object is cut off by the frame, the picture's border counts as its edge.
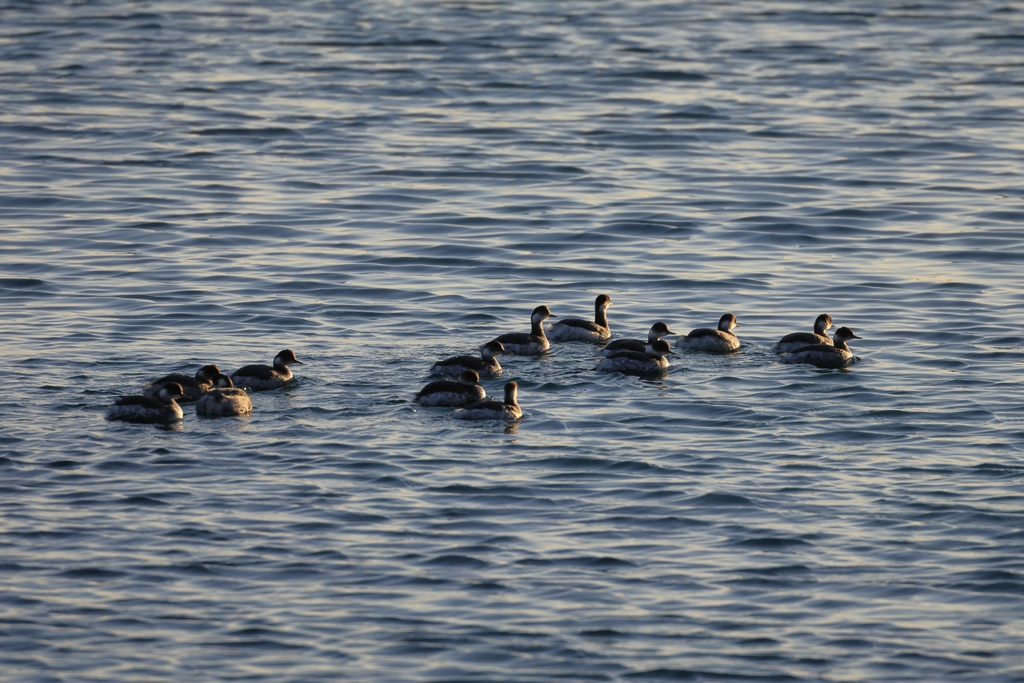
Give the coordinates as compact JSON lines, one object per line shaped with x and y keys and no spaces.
{"x":379,"y":185}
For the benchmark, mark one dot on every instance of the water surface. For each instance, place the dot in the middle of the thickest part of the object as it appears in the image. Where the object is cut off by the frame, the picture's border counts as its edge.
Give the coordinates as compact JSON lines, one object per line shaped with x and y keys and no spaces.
{"x":380,"y":185}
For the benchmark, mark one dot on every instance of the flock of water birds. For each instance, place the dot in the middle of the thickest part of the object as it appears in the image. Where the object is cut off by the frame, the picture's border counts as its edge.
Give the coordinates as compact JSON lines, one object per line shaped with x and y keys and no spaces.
{"x":220,"y":395}
{"x":215,"y":394}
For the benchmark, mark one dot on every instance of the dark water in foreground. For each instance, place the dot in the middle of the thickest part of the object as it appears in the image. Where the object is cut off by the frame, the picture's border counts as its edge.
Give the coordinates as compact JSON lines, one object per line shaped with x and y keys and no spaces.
{"x":379,"y":185}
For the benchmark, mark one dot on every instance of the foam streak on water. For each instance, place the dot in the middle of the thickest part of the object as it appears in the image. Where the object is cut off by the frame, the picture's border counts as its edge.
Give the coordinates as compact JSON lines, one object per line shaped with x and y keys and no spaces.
{"x":380,"y":185}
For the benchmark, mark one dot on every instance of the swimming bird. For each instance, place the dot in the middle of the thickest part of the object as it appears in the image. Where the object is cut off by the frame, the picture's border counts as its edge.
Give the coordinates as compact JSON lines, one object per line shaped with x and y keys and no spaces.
{"x":485,"y":366}
{"x":651,"y":362}
{"x":159,"y":409}
{"x":224,"y":400}
{"x":823,"y":356}
{"x":263,"y":377}
{"x":494,"y":410}
{"x":721,"y":340}
{"x":577,"y":329}
{"x":532,"y":344}
{"x":798,"y":340}
{"x":192,"y":387}
{"x":448,"y":393}
{"x":658,"y":330}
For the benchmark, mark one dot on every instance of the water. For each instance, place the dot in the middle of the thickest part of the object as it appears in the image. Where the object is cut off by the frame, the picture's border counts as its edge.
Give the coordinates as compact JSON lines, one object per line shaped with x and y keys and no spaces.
{"x":380,"y":185}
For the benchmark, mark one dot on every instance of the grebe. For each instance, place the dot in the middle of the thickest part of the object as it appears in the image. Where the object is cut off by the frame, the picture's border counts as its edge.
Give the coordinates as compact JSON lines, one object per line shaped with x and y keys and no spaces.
{"x":448,"y":393}
{"x":263,"y":377}
{"x":823,"y":356}
{"x":191,"y":387}
{"x":224,"y":400}
{"x":650,"y":362}
{"x":798,"y":340}
{"x":532,"y":344}
{"x":658,"y":330}
{"x":576,"y":329}
{"x":494,"y":410}
{"x":485,"y":366}
{"x":721,"y":340}
{"x":160,"y":409}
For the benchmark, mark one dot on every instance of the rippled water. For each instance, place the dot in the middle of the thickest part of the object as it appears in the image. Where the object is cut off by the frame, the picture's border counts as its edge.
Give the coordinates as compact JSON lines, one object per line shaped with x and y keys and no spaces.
{"x":380,"y":185}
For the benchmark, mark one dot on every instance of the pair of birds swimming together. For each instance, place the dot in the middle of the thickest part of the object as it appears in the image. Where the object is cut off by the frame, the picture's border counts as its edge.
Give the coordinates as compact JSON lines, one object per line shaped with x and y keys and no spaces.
{"x":628,"y":356}
{"x":216,"y":394}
